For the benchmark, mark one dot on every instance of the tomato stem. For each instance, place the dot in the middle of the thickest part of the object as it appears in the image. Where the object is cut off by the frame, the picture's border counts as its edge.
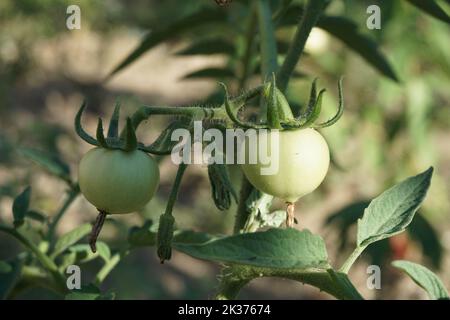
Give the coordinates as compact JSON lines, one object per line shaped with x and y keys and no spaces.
{"x":290,"y":214}
{"x":96,"y":228}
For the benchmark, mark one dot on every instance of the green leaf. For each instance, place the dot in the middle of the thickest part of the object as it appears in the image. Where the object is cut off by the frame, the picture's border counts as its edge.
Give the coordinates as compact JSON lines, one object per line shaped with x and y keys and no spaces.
{"x":420,"y":230}
{"x":392,"y":211}
{"x":103,"y":250}
{"x":207,"y":47}
{"x":9,"y":275}
{"x":345,"y":284}
{"x":432,"y":8}
{"x":215,"y":73}
{"x":155,"y":37}
{"x":347,"y":31}
{"x":424,"y":278}
{"x":20,"y":206}
{"x":83,"y":253}
{"x":275,"y":248}
{"x":71,"y":238}
{"x":89,"y":292}
{"x":52,"y":163}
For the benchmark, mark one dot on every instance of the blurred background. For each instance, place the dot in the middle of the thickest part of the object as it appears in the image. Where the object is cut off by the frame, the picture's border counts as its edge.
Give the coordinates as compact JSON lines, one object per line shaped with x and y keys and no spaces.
{"x":390,"y":130}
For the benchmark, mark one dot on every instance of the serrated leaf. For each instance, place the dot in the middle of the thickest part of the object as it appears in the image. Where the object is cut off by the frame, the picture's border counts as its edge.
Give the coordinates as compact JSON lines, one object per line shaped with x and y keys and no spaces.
{"x":155,"y":37}
{"x":52,"y":163}
{"x":71,"y":238}
{"x":423,"y":277}
{"x":20,"y":206}
{"x":103,"y":250}
{"x":274,"y":248}
{"x":207,"y":47}
{"x":420,"y":230}
{"x":392,"y":211}
{"x":432,"y":8}
{"x":9,"y":278}
{"x":215,"y":73}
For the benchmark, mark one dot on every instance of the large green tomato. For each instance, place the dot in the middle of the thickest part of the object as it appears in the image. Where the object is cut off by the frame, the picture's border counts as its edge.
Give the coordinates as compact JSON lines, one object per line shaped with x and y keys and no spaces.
{"x":115,"y":181}
{"x":303,"y":161}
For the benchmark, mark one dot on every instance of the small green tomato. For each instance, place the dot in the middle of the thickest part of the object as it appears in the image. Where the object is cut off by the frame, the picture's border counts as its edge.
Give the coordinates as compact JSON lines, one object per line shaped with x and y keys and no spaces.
{"x":115,"y":181}
{"x":303,"y":157}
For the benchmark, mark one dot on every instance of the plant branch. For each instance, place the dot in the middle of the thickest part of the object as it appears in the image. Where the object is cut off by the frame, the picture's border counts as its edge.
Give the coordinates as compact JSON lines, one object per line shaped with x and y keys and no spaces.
{"x":268,"y":43}
{"x":313,"y":11}
{"x":351,"y":259}
{"x":237,"y":276}
{"x":108,"y":267}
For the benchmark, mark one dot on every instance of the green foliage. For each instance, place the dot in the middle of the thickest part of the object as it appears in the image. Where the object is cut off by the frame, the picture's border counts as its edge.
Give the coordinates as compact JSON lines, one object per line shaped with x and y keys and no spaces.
{"x":71,"y":238}
{"x":275,"y":248}
{"x":392,"y":211}
{"x":424,"y":278}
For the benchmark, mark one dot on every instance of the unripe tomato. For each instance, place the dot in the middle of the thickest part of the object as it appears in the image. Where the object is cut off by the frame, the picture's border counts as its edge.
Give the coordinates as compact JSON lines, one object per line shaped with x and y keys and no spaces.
{"x":303,"y":157}
{"x":115,"y":181}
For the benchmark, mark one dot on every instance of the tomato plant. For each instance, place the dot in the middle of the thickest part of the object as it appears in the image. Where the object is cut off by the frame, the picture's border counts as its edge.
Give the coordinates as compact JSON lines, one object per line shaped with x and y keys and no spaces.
{"x":120,"y":175}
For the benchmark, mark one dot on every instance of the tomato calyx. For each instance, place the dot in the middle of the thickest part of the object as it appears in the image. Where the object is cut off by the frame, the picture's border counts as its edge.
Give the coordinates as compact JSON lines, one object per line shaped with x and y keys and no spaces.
{"x":126,"y":141}
{"x":279,"y":113}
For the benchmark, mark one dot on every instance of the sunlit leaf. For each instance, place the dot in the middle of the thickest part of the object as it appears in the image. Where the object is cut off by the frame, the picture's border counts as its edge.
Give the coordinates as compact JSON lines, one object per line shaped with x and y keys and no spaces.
{"x":392,"y":211}
{"x":275,"y":248}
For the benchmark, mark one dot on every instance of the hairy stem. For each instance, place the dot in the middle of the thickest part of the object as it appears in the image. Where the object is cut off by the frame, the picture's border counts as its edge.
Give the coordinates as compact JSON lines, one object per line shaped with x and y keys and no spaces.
{"x":313,"y":11}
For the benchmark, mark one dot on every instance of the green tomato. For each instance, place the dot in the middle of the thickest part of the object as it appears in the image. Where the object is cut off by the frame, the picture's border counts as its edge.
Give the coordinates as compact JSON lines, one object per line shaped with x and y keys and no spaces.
{"x":303,"y":161}
{"x":115,"y":181}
